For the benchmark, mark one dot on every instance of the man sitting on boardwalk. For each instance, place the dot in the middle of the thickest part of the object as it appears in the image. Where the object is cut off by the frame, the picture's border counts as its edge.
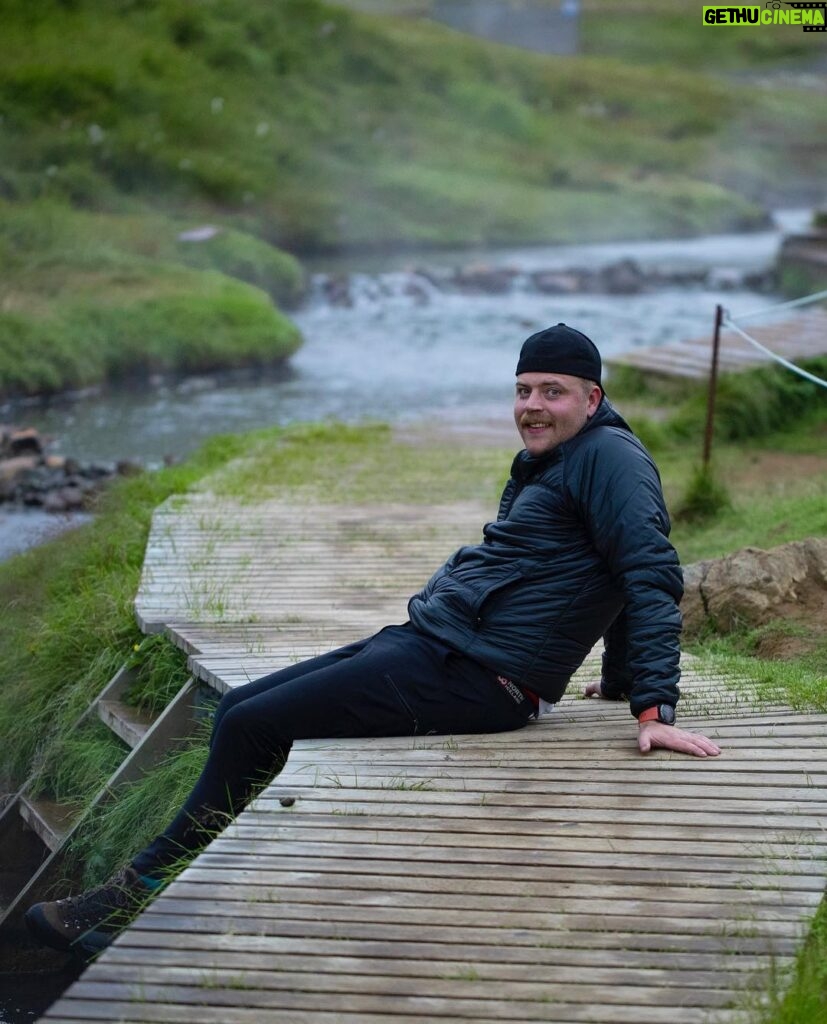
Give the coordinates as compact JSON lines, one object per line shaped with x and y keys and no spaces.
{"x":579,"y":551}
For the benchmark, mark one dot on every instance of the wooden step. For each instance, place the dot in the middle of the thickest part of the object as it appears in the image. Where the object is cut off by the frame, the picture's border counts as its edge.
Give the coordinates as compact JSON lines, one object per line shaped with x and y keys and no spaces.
{"x":128,"y":723}
{"x":50,"y":820}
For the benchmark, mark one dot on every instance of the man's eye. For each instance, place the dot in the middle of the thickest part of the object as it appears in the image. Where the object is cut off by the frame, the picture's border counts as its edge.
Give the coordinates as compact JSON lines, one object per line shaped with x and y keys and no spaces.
{"x":552,"y":392}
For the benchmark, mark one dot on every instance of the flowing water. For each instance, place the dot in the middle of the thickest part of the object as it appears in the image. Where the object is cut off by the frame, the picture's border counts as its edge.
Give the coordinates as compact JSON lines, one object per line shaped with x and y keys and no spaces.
{"x":400,"y":353}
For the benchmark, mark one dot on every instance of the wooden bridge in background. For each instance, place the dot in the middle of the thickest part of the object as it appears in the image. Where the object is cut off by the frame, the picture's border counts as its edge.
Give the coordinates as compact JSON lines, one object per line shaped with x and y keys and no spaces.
{"x":804,"y":337}
{"x":552,"y":874}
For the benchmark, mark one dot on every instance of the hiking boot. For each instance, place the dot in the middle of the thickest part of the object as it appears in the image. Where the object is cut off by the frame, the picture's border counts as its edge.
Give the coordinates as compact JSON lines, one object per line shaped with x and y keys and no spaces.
{"x":91,"y":920}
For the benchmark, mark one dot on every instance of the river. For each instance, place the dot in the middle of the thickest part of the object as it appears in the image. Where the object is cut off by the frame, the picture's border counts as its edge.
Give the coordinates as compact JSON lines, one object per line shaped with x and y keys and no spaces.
{"x":399,"y":357}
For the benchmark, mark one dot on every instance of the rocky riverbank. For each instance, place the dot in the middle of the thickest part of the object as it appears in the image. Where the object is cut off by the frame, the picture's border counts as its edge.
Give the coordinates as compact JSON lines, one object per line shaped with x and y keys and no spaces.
{"x":32,"y":476}
{"x":421,"y":284}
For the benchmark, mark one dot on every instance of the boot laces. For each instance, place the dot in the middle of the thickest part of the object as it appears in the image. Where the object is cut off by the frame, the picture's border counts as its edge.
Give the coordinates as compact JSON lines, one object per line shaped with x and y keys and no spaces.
{"x":95,"y":905}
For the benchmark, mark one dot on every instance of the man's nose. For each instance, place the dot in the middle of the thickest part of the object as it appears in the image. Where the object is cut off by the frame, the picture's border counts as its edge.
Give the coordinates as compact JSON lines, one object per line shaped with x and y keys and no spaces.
{"x":533,"y":400}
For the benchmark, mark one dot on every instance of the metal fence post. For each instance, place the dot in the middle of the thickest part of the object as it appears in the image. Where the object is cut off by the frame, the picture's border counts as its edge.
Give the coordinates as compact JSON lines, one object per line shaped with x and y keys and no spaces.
{"x":713,"y":387}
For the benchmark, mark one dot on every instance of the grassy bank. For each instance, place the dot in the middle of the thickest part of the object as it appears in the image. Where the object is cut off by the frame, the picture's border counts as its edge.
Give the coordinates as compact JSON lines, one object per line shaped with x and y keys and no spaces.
{"x":87,"y":298}
{"x":309,"y":127}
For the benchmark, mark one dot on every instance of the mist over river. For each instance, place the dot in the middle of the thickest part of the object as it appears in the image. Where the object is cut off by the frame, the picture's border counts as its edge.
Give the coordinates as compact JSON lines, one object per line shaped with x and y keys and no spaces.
{"x":401,"y":355}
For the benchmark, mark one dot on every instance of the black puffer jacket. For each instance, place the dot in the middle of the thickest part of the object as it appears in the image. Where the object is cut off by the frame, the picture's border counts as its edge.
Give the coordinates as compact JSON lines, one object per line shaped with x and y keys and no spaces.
{"x":580,"y":550}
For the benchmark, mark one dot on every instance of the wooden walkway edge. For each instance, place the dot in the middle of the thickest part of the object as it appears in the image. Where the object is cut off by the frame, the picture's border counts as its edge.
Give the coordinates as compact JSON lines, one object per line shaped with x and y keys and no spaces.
{"x":804,"y":337}
{"x":552,"y":874}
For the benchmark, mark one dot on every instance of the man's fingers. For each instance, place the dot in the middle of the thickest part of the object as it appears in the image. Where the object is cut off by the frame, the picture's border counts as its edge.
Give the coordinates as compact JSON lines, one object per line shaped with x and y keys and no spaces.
{"x":667,"y":737}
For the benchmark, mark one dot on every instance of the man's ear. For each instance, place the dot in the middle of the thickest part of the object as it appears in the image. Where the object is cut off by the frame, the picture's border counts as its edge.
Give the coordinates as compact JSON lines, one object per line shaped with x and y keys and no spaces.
{"x":593,"y":401}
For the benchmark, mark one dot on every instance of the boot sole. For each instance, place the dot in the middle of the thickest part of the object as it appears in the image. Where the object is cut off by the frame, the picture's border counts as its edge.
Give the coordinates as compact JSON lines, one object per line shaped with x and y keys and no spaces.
{"x":90,"y":943}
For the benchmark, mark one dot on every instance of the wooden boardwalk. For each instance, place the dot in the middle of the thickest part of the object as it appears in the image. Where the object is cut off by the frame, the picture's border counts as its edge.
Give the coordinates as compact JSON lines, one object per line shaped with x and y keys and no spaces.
{"x":805,"y":337}
{"x":552,"y":874}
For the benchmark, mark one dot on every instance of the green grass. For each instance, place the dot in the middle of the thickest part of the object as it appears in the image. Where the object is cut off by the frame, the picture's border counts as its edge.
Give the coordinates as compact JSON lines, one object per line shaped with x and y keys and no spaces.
{"x":79,"y":763}
{"x":226,"y":110}
{"x":88,"y":299}
{"x":66,"y":607}
{"x":798,"y":680}
{"x":160,"y":672}
{"x":333,"y":462}
{"x":672,"y":31}
{"x":137,"y":812}
{"x":802,"y":996}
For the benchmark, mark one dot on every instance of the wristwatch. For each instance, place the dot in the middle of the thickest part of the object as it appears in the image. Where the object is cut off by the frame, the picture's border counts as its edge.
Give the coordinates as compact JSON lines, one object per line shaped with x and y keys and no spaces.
{"x":658,"y":713}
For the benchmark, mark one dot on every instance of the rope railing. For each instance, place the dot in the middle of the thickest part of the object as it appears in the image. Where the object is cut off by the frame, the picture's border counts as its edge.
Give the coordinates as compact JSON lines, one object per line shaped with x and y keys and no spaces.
{"x":724,"y":320}
{"x":792,"y":304}
{"x":729,"y":323}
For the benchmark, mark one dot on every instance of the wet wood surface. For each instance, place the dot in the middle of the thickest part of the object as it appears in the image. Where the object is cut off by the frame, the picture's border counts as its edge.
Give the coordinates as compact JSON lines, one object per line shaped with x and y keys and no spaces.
{"x":797,"y":338}
{"x":551,"y":874}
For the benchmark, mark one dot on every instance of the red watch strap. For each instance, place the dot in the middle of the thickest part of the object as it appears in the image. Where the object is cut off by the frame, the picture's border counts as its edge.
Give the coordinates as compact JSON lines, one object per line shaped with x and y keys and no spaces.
{"x":649,"y":715}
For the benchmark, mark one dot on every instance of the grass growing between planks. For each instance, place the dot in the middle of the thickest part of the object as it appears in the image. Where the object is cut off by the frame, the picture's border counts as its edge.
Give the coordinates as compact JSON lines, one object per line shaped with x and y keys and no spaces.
{"x":67,"y":607}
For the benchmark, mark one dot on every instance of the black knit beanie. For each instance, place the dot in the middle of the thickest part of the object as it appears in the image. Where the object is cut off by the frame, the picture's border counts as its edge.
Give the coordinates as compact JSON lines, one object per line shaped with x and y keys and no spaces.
{"x":560,"y":349}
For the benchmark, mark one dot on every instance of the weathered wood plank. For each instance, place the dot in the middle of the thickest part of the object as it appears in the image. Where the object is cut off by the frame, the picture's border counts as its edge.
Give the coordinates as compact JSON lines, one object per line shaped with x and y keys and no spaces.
{"x":799,"y":338}
{"x":140,"y":945}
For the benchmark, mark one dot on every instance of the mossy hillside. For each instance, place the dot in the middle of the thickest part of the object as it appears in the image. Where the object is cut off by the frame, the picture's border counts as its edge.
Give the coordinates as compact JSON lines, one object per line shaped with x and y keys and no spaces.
{"x":316,"y":128}
{"x":89,"y":298}
{"x":322,"y":128}
{"x":670,"y":31}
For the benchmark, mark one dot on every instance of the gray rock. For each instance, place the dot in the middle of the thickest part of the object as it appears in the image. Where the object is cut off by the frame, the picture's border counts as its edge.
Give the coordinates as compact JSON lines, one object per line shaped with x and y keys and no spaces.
{"x":622,"y":278}
{"x":753,"y":586}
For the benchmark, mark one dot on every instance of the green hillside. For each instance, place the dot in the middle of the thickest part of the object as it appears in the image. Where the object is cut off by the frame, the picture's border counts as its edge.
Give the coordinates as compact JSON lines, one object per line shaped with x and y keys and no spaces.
{"x":304,"y":127}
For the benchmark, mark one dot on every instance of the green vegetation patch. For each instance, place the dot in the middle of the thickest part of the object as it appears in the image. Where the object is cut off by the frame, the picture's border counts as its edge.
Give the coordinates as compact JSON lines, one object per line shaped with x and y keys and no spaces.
{"x":67,"y":612}
{"x":79,"y":763}
{"x":749,"y":405}
{"x":160,"y":671}
{"x":137,"y":812}
{"x":314,"y":127}
{"x":672,"y":31}
{"x":88,"y":299}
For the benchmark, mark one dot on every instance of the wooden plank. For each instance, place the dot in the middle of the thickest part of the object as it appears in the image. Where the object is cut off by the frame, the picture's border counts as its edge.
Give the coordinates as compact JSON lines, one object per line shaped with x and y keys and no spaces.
{"x":755,"y":875}
{"x":237,"y":987}
{"x":134,"y":1011}
{"x":429,"y":892}
{"x":140,"y":945}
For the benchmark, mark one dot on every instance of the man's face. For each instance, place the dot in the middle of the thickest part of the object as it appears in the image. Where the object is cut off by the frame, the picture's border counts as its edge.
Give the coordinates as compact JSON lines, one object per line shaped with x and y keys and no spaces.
{"x":549,"y":408}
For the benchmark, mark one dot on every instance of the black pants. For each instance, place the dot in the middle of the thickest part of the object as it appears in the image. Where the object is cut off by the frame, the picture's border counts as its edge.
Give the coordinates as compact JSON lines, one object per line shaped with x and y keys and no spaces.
{"x":396,"y":683}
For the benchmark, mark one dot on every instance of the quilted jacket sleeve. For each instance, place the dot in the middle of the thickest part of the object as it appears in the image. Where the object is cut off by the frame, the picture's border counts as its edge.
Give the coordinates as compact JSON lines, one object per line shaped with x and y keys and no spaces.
{"x":616,"y":677}
{"x":617,"y":488}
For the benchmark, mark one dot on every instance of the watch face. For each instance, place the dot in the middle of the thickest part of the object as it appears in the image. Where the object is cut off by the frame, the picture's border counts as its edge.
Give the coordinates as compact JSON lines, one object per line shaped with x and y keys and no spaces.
{"x":666,"y":714}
